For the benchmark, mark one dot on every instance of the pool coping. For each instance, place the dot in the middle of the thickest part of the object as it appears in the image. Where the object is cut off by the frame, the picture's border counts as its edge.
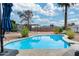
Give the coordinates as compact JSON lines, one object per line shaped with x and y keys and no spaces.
{"x":65,"y":38}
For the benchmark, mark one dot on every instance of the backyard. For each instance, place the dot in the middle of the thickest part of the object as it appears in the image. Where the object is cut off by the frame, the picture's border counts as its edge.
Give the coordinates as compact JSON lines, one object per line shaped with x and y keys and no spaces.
{"x":40,"y":29}
{"x":42,"y":52}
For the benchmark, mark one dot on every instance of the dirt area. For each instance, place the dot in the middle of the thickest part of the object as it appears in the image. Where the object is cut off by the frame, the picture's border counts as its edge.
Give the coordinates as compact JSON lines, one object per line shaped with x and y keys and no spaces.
{"x":76,"y":38}
{"x":15,"y":35}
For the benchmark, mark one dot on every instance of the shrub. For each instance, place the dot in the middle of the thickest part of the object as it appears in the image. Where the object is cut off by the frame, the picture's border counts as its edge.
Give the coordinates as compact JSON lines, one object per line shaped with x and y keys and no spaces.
{"x":70,"y":33}
{"x":57,"y":30}
{"x":24,"y":31}
{"x":14,"y":26}
{"x":64,"y":31}
{"x":68,"y":29}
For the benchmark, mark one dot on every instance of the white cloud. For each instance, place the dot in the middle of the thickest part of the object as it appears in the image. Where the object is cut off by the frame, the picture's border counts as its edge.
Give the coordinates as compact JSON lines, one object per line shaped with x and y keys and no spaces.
{"x":61,"y":22}
{"x":45,"y":21}
{"x":76,"y":6}
{"x":48,"y":9}
{"x":74,"y":20}
{"x":71,"y":12}
{"x":36,"y":17}
{"x":30,"y":6}
{"x":56,"y":23}
{"x":15,"y":17}
{"x":52,"y":7}
{"x":42,"y":21}
{"x":22,"y":6}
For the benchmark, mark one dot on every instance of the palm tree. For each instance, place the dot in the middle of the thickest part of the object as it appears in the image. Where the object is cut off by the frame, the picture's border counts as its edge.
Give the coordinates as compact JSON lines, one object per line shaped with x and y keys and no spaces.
{"x":26,"y":16}
{"x":66,"y":6}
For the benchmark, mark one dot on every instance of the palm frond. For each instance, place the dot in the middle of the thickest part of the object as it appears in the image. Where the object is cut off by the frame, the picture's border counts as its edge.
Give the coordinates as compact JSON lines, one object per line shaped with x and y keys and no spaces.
{"x":65,"y":4}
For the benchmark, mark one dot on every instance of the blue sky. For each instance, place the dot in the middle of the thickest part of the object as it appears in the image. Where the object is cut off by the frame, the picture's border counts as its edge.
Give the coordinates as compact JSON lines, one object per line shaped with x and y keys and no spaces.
{"x":46,"y":13}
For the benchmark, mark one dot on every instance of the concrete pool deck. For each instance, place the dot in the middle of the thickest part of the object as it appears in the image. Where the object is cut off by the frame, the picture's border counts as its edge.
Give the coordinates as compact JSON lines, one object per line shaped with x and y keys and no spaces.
{"x":42,"y":52}
{"x":49,"y":52}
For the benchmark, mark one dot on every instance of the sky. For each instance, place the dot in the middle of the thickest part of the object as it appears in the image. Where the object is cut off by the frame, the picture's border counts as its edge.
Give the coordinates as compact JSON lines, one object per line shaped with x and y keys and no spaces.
{"x":46,"y":13}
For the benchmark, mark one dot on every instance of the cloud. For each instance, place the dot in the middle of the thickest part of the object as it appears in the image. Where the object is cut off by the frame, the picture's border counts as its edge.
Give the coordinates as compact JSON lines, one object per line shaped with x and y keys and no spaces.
{"x":52,"y":9}
{"x":36,"y":17}
{"x":46,"y":22}
{"x":71,"y":12}
{"x":15,"y":17}
{"x":31,"y":6}
{"x":75,"y":6}
{"x":59,"y":23}
{"x":48,"y":9}
{"x":74,"y":20}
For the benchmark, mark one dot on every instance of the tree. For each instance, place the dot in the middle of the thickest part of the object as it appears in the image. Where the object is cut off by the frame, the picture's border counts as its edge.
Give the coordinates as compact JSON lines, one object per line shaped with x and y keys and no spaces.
{"x":72,"y":24}
{"x":26,"y":16}
{"x":66,"y":6}
{"x":14,"y":26}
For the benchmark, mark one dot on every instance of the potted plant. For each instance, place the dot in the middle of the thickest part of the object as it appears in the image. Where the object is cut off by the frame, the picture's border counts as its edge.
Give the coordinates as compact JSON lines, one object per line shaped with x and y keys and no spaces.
{"x":57,"y":30}
{"x":24,"y":31}
{"x":70,"y":33}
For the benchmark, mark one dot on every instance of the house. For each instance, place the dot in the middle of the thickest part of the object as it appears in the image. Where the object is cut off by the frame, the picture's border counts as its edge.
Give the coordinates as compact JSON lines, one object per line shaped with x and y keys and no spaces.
{"x":20,"y":26}
{"x":75,"y":28}
{"x":35,"y":27}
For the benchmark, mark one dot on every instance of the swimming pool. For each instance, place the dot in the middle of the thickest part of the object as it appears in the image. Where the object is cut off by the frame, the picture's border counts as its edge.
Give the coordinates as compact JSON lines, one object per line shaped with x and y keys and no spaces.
{"x":39,"y":42}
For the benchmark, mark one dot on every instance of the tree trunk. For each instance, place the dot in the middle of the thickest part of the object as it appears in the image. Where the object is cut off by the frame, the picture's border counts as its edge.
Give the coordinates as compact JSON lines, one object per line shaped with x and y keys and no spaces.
{"x":28,"y":25}
{"x":1,"y":42}
{"x":65,"y":20}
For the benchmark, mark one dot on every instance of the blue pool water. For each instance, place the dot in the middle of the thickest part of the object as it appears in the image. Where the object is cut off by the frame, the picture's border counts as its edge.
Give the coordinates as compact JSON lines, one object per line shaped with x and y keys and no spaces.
{"x":38,"y":42}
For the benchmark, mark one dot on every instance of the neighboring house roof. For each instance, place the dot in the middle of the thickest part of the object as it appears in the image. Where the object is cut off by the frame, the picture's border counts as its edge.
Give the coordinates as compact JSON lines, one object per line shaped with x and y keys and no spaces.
{"x":75,"y":26}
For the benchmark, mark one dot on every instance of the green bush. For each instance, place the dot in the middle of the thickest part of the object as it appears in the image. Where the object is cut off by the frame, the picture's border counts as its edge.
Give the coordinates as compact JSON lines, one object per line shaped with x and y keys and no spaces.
{"x":24,"y":31}
{"x":68,"y":29}
{"x":70,"y":33}
{"x":57,"y":30}
{"x":14,"y":26}
{"x":64,"y":31}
